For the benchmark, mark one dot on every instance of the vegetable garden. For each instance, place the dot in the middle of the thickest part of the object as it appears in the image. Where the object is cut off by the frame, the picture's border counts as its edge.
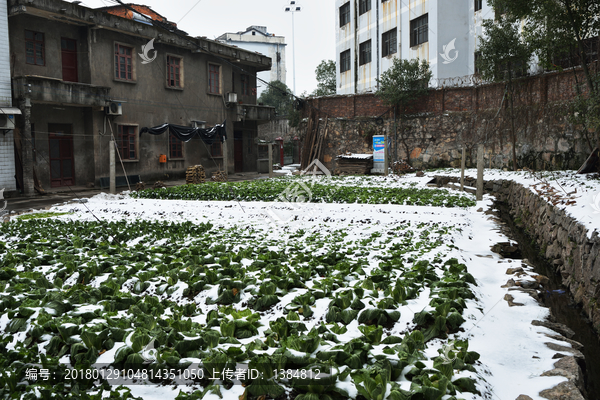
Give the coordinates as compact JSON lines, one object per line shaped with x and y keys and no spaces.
{"x":325,"y":314}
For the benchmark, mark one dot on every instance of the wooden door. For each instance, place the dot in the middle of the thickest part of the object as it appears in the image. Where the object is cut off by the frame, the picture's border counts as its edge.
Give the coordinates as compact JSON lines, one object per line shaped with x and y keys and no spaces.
{"x":62,"y":162}
{"x":238,"y":150}
{"x":69,"y":59}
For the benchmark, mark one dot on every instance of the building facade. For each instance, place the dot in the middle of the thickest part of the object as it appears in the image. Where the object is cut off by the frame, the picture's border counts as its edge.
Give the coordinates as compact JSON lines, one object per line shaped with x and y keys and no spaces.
{"x":257,"y":38}
{"x":82,"y":76}
{"x":370,"y":33}
{"x":7,"y":112}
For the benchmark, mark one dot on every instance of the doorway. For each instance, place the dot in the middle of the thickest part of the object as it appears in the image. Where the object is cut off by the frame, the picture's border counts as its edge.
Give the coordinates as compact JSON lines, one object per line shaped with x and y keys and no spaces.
{"x":62,"y":160}
{"x":238,"y":150}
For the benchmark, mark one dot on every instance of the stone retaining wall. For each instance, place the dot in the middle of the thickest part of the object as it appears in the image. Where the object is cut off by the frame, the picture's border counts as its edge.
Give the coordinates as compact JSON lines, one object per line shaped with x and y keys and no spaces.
{"x":562,"y":239}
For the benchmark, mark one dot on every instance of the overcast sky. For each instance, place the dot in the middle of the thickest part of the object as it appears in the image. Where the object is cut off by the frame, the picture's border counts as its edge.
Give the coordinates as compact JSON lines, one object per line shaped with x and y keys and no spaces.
{"x":314,"y":26}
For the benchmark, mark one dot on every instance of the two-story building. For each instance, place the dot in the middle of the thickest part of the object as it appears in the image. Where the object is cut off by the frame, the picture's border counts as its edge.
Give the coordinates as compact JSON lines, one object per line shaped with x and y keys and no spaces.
{"x":82,"y":76}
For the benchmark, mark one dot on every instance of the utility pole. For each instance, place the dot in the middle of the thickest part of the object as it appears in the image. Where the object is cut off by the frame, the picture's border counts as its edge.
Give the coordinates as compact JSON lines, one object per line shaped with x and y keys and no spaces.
{"x":111,"y":172}
{"x":293,"y":8}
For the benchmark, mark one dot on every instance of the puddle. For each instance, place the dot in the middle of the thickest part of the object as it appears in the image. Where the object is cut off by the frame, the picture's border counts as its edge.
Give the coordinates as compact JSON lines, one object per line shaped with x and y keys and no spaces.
{"x":557,"y":298}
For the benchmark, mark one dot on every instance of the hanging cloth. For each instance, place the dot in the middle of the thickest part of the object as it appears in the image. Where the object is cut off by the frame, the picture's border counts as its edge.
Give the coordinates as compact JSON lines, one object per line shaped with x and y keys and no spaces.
{"x":186,"y":133}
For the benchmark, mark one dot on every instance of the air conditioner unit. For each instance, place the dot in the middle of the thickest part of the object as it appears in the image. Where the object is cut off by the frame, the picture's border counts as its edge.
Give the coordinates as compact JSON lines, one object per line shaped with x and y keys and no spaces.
{"x":113,"y":108}
{"x":7,"y":121}
{"x":231,"y":97}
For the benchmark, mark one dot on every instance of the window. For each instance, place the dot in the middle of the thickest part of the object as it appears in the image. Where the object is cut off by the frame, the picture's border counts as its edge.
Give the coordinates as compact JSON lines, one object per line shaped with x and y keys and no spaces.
{"x":175,"y":147}
{"x":345,"y":14}
{"x":478,"y":5}
{"x":389,"y":43}
{"x":174,"y":67}
{"x":476,"y":62}
{"x":126,"y":142}
{"x":365,"y":53}
{"x":214,"y":79}
{"x":246,"y":86}
{"x":216,"y":149}
{"x":34,"y":48}
{"x":345,"y":61}
{"x":419,"y":30}
{"x":123,"y":62}
{"x":363,"y":6}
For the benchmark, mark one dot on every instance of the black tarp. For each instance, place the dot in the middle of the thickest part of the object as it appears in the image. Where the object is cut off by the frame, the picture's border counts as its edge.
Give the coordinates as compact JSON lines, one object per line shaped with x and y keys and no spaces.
{"x":186,"y":133}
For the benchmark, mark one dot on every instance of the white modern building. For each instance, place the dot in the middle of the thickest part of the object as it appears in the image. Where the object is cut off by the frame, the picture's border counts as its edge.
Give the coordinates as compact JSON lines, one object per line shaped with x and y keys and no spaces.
{"x":7,"y":112}
{"x":370,"y":33}
{"x":256,"y":38}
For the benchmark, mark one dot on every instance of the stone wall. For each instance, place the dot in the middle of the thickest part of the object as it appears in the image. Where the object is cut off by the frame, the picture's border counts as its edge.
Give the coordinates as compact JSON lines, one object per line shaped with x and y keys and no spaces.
{"x":564,"y":242}
{"x":436,"y":129}
{"x":562,"y":239}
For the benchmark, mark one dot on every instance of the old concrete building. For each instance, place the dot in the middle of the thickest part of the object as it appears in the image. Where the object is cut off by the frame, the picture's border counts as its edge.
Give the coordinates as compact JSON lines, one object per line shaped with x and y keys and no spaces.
{"x":7,"y":112}
{"x":82,"y":76}
{"x":257,"y":38}
{"x":370,"y":33}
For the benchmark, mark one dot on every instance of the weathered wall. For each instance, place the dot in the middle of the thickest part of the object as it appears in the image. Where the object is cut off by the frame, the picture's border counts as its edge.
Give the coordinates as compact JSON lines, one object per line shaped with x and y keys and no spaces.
{"x":564,"y":242}
{"x":439,"y":125}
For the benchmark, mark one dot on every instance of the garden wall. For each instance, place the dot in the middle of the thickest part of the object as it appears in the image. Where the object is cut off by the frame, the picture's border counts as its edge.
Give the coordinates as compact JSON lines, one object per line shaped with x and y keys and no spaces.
{"x":438,"y":126}
{"x":562,"y":239}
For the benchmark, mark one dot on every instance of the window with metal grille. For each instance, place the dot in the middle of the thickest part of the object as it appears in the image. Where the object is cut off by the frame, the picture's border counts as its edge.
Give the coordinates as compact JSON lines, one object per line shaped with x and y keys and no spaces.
{"x":478,"y":5}
{"x":345,"y":61}
{"x":214,"y":84}
{"x":363,"y":6}
{"x":34,"y":48}
{"x":126,"y":142}
{"x":419,"y":29}
{"x":389,"y":43}
{"x":246,"y":86}
{"x":123,"y":62}
{"x":174,"y":72}
{"x":216,"y":149}
{"x":364,"y":56}
{"x":345,"y":14}
{"x":175,"y":147}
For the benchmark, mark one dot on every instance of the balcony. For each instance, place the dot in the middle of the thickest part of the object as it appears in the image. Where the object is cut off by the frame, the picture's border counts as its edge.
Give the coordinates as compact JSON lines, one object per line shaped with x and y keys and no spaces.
{"x":55,"y":91}
{"x":251,"y":112}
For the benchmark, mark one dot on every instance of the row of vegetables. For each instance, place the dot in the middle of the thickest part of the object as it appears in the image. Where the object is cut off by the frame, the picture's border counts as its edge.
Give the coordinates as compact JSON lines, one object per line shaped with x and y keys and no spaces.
{"x":155,"y":296}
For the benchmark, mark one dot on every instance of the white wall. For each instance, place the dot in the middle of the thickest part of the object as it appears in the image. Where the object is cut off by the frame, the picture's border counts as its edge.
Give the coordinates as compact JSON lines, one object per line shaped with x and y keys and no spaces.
{"x":5,"y":83}
{"x":7,"y":153}
{"x":448,"y":21}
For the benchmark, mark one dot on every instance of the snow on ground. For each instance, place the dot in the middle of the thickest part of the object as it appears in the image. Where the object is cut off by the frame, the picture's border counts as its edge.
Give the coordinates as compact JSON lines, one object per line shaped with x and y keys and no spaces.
{"x":513,"y":353}
{"x":577,"y":194}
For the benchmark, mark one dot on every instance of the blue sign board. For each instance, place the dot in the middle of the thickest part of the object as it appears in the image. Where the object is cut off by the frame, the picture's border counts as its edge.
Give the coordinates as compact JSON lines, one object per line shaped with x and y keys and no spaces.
{"x":378,"y":148}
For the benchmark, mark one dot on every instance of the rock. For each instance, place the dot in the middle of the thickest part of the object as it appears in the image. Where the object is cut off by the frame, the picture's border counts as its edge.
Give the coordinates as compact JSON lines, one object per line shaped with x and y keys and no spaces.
{"x":510,"y":301}
{"x":524,"y":397}
{"x":560,"y":328}
{"x":420,"y":174}
{"x":509,"y":283}
{"x":575,"y":344}
{"x":542,"y":279}
{"x":557,"y":347}
{"x":564,"y":391}
{"x":568,"y":367}
{"x":557,"y":262}
{"x":512,"y":271}
{"x":528,"y":284}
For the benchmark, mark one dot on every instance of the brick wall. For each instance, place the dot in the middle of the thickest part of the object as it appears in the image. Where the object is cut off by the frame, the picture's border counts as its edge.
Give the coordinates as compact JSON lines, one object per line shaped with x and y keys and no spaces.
{"x":446,"y":120}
